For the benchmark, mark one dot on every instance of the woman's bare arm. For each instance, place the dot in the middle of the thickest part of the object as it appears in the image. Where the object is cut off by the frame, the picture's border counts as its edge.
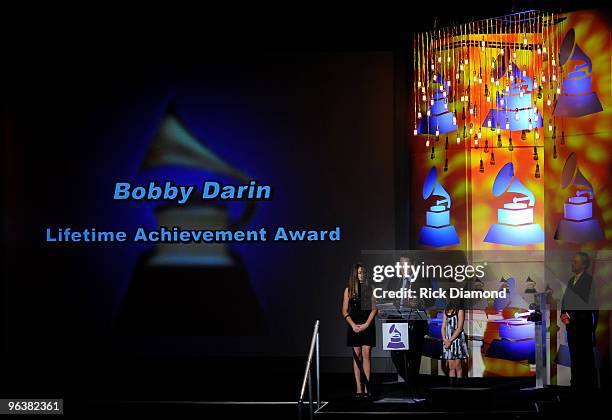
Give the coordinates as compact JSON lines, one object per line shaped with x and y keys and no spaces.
{"x":460,"y":319}
{"x":345,"y":306}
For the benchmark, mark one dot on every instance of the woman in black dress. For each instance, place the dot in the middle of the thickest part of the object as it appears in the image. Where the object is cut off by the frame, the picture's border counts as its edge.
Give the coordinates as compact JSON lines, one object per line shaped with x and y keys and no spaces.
{"x":359,"y":311}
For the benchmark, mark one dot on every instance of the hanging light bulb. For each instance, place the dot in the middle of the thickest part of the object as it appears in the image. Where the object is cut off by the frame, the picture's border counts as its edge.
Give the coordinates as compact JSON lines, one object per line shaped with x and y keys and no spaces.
{"x":554,"y":77}
{"x":455,"y":118}
{"x":458,"y":138}
{"x":462,"y":98}
{"x":445,"y":164}
{"x":476,"y":141}
{"x":501,"y":51}
{"x":489,"y":123}
{"x":419,"y":115}
{"x":475,"y":110}
{"x":558,"y":90}
{"x":514,"y":55}
{"x":437,"y":130}
{"x":524,"y":41}
{"x":498,"y":130}
{"x":554,"y":63}
{"x":471,"y":111}
{"x":460,"y":67}
{"x":517,"y":115}
{"x":497,"y":83}
{"x":419,"y":83}
{"x":423,"y":89}
{"x":539,"y":50}
{"x":554,"y":151}
{"x":524,"y":72}
{"x":499,"y":141}
{"x":441,"y":88}
{"x":544,"y":49}
{"x":471,"y":129}
{"x":427,"y":142}
{"x":530,"y":125}
{"x":550,"y":126}
{"x":482,"y":44}
{"x":507,"y":124}
{"x":535,"y":153}
{"x":521,"y":93}
{"x":486,"y":148}
{"x":456,"y":76}
{"x":537,"y":135}
{"x":492,"y":67}
{"x":537,"y":171}
{"x":492,"y":161}
{"x":535,"y":84}
{"x":481,"y":169}
{"x":510,"y":68}
{"x":429,"y":112}
{"x":510,"y":145}
{"x":501,"y":100}
{"x":535,"y":109}
{"x":432,"y":68}
{"x":415,"y":132}
{"x":448,"y":60}
{"x":511,"y":79}
{"x":439,"y":59}
{"x":507,"y":88}
{"x":445,"y":102}
{"x":543,"y":78}
{"x":465,"y":61}
{"x":424,"y":98}
{"x":524,"y":135}
{"x":435,"y":77}
{"x":431,"y":101}
{"x":548,"y":101}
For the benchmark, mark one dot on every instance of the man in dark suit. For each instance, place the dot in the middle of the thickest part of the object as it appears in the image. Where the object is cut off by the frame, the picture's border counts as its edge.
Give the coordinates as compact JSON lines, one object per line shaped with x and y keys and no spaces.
{"x":579,"y":314}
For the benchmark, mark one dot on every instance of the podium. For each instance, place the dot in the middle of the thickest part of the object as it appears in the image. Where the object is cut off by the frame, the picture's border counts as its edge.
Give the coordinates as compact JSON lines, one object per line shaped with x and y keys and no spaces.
{"x":403,"y":332}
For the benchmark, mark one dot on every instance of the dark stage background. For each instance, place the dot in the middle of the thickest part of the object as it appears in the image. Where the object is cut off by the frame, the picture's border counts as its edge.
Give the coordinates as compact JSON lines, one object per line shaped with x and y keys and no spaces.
{"x":318,"y":127}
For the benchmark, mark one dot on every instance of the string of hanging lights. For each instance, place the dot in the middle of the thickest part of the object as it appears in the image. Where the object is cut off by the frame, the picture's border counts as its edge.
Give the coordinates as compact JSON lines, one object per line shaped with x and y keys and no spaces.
{"x":488,"y":82}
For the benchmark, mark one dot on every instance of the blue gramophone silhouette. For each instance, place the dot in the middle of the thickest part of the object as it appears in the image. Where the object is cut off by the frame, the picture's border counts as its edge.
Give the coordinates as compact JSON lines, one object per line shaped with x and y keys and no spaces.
{"x":441,"y":119}
{"x":516,"y":106}
{"x":515,"y":220}
{"x":437,"y":230}
{"x":577,"y":98}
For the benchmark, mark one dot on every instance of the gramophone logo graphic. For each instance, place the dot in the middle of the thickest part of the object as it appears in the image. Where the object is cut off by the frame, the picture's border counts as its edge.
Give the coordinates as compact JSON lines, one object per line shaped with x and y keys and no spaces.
{"x":515,"y":220}
{"x":174,"y":145}
{"x":439,"y":119}
{"x":578,"y":224}
{"x":395,"y":341}
{"x":437,"y":230}
{"x":514,"y":110}
{"x":577,"y":97}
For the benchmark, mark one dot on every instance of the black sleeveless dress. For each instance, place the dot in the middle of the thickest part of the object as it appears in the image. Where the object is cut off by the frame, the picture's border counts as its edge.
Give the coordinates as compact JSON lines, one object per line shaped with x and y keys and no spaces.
{"x":359,"y":314}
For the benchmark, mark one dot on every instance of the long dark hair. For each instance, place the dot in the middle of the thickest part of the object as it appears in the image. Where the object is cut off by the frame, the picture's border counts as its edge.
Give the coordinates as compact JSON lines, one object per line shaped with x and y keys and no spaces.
{"x":353,"y":280}
{"x":453,"y":305}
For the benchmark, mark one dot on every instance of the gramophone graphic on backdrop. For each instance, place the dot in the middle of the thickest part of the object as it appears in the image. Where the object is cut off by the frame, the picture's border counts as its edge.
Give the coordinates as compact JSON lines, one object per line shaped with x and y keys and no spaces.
{"x":577,"y":97}
{"x":578,"y":224}
{"x":438,"y":230}
{"x":173,"y":286}
{"x":515,"y":224}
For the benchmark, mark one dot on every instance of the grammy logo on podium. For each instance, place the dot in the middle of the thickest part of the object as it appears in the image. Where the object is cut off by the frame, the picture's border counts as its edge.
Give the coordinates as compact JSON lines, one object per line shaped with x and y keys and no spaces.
{"x":437,"y":230}
{"x":577,"y":98}
{"x":515,"y":220}
{"x":578,"y":224}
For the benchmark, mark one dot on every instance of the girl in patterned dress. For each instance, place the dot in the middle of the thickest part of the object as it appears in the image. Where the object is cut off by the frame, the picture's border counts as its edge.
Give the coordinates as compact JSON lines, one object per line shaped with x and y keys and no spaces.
{"x":454,"y":339}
